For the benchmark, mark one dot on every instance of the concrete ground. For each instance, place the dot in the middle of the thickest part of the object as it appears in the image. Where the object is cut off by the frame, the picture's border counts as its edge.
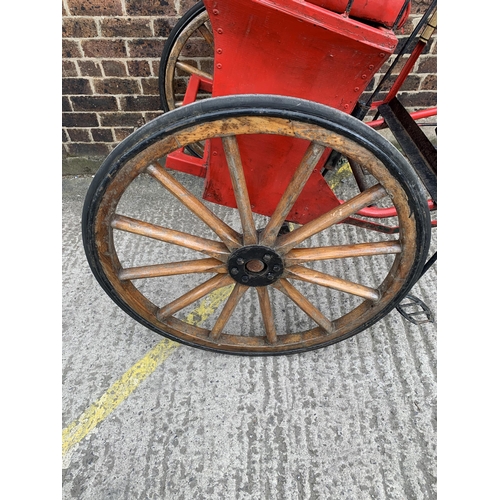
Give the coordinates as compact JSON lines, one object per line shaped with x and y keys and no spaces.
{"x":145,"y":418}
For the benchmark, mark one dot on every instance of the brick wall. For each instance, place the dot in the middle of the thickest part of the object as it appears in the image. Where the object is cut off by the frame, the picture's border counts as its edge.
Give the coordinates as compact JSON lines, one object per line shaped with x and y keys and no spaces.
{"x":111,"y":52}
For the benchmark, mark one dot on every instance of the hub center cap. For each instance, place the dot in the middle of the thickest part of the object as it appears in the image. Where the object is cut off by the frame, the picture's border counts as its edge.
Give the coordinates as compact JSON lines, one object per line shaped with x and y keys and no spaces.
{"x":255,"y":265}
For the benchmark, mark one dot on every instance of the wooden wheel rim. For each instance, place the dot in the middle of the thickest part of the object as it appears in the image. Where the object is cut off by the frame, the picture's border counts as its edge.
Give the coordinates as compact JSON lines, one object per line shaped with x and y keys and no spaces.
{"x":194,"y":25}
{"x":230,"y":342}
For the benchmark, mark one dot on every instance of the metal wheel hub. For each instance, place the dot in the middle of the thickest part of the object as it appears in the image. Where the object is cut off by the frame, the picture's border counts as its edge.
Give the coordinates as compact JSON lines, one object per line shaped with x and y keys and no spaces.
{"x":255,"y":265}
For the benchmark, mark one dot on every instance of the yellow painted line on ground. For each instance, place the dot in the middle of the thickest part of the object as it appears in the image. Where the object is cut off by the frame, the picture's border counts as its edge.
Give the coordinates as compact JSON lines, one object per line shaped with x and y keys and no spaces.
{"x":342,"y":173}
{"x":130,"y":380}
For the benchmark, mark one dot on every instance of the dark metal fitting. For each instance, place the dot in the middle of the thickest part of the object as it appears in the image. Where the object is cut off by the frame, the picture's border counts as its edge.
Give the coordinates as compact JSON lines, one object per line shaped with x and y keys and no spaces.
{"x":255,"y":265}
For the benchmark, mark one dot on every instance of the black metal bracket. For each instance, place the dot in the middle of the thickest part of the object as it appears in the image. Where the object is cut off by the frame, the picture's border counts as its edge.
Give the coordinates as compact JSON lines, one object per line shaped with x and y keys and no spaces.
{"x":420,"y":151}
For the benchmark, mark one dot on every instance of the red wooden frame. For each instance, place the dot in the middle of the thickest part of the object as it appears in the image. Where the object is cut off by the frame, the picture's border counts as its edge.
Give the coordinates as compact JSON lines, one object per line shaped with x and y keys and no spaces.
{"x":294,"y":48}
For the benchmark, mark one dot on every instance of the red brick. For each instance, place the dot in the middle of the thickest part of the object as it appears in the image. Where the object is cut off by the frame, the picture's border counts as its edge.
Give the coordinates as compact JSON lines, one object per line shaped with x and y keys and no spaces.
{"x":140,"y":103}
{"x":207,"y":65}
{"x":399,"y":65}
{"x":138,"y":67}
{"x":152,"y":115}
{"x":102,"y":135}
{"x":418,"y":99}
{"x":116,"y":86}
{"x":121,"y":119}
{"x":429,"y":83}
{"x":79,"y":120}
{"x":71,"y":49}
{"x":66,"y":104}
{"x":114,"y":68}
{"x":126,"y":27}
{"x":79,"y":135}
{"x":427,"y":64}
{"x":104,"y":48}
{"x":186,"y":4}
{"x":122,"y":133}
{"x":95,"y":7}
{"x":180,"y":85}
{"x":94,"y":103}
{"x":150,"y":7}
{"x":148,"y":47}
{"x":163,"y":26}
{"x":419,"y":6}
{"x":156,"y":67}
{"x":79,"y":28}
{"x":69,"y":68}
{"x":89,"y":68}
{"x":71,"y":86}
{"x":197,"y":47}
{"x":95,"y":150}
{"x":150,"y":86}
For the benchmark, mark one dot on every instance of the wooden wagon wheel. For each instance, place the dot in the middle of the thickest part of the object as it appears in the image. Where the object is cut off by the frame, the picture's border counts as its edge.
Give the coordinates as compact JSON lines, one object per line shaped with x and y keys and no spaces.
{"x":319,"y":284}
{"x":191,"y":37}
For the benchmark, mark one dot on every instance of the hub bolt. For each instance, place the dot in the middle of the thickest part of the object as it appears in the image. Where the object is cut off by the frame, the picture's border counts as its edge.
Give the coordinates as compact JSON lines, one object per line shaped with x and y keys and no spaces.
{"x":244,"y":278}
{"x":234,"y":271}
{"x":240,"y":262}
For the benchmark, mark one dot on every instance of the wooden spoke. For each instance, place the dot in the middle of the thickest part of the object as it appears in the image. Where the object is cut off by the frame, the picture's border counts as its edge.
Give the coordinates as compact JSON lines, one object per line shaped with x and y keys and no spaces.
{"x":293,"y":294}
{"x":359,"y":175}
{"x":185,"y":267}
{"x":228,"y":235}
{"x":300,"y":255}
{"x":267,"y":314}
{"x":337,"y":214}
{"x":228,"y":309}
{"x":197,"y":293}
{"x":192,"y":70}
{"x":318,"y":278}
{"x":240,"y":189}
{"x":209,"y":247}
{"x":292,"y":192}
{"x":206,"y":34}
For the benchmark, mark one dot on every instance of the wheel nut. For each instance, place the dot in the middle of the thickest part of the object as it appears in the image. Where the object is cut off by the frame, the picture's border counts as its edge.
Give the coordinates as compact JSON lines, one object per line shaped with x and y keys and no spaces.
{"x":270,"y":276}
{"x":234,"y":271}
{"x":276,"y":268}
{"x":244,"y":278}
{"x":266,"y":258}
{"x":240,"y":262}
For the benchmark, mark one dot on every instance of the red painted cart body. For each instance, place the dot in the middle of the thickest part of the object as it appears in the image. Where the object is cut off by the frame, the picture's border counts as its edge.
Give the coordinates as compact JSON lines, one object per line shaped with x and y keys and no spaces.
{"x":293,"y":48}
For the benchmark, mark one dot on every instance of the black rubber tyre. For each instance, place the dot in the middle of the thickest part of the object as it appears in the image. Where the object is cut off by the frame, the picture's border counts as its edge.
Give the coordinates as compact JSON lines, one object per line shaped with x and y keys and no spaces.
{"x":173,"y":39}
{"x":103,"y":224}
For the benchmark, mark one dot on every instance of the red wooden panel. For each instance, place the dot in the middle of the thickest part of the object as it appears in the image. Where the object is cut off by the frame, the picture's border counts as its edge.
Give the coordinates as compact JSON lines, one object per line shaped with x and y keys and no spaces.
{"x":383,"y":12}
